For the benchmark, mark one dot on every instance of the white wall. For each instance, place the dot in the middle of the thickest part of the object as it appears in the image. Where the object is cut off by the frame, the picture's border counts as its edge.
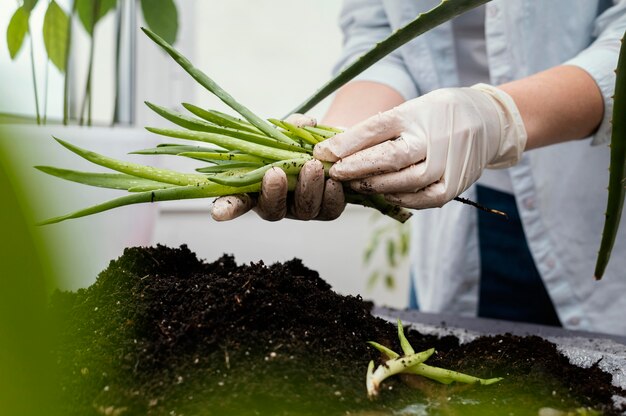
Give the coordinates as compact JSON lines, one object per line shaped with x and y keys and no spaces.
{"x":270,"y":55}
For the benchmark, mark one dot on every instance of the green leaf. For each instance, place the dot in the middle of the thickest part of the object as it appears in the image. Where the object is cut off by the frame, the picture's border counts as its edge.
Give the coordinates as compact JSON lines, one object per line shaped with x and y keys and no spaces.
{"x":102,"y":180}
{"x":207,"y":190}
{"x":161,"y":17}
{"x":29,"y":5}
{"x":91,"y":11}
{"x":208,"y":83}
{"x":404,"y":343}
{"x":617,"y":168}
{"x":135,"y":169}
{"x":55,"y":25}
{"x":16,"y":32}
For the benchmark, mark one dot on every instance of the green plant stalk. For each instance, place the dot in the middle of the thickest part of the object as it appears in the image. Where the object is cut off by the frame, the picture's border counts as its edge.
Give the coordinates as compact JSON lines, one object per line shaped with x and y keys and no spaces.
{"x":291,"y":167}
{"x":617,"y":168}
{"x":66,"y":82}
{"x":379,"y":203}
{"x":239,"y":157}
{"x":206,"y":190}
{"x":212,"y":86}
{"x":445,"y":11}
{"x":407,"y":349}
{"x":448,"y":376}
{"x":120,"y":181}
{"x":435,"y":373}
{"x":231,"y":143}
{"x":191,"y":123}
{"x":173,"y":149}
{"x":118,"y":42}
{"x":135,"y":169}
{"x":34,"y":74}
{"x":298,"y":131}
{"x":391,"y":367}
{"x":220,"y":119}
{"x":87,"y":100}
{"x":230,"y":167}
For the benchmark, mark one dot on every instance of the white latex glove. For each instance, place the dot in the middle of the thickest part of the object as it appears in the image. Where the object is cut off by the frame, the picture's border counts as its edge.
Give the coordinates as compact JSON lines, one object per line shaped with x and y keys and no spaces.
{"x":314,"y":197}
{"x":429,"y":150}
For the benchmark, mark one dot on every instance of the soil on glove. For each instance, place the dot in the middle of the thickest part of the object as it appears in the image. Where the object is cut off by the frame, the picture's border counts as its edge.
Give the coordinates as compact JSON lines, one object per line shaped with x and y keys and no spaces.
{"x":163,"y":333}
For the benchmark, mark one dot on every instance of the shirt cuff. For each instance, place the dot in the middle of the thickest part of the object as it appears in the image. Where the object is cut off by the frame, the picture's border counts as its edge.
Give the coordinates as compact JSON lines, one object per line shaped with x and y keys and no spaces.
{"x":600,"y":64}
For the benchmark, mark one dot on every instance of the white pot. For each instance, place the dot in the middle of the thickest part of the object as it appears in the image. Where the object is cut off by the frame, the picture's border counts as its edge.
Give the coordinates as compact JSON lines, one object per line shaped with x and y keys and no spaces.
{"x":81,"y":247}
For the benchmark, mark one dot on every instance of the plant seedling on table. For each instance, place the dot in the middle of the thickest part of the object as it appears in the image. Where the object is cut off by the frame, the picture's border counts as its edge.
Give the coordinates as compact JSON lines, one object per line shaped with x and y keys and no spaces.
{"x":413,"y":363}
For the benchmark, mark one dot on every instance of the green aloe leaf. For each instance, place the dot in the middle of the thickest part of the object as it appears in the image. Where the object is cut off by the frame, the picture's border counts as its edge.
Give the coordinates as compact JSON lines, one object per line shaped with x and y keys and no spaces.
{"x":291,"y":167}
{"x":102,"y":180}
{"x":214,"y":88}
{"x":16,"y":31}
{"x":262,"y":149}
{"x":201,"y":125}
{"x":448,"y":376}
{"x":445,"y":11}
{"x":161,"y":17}
{"x":617,"y":169}
{"x":207,"y":190}
{"x":91,"y":11}
{"x":221,"y":119}
{"x":135,"y":169}
{"x":55,"y":29}
{"x":172,"y":149}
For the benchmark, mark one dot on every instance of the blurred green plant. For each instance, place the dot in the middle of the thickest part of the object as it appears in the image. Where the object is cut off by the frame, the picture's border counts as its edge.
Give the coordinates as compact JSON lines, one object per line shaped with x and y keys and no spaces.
{"x":27,"y":369}
{"x":160,"y":15}
{"x":389,"y":241}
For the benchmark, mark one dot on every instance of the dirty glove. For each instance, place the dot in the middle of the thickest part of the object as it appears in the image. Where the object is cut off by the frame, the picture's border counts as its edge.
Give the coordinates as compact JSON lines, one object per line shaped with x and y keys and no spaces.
{"x":314,"y":196}
{"x":428,"y":150}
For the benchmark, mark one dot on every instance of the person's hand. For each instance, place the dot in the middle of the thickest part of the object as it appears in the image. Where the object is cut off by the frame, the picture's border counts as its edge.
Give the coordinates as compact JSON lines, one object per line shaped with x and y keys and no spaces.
{"x":428,"y":150}
{"x":314,"y":196}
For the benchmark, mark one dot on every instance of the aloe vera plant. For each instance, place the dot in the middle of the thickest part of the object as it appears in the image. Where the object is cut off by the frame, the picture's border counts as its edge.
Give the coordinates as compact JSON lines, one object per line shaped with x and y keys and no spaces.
{"x":246,"y":149}
{"x":413,"y":363}
{"x":617,"y":178}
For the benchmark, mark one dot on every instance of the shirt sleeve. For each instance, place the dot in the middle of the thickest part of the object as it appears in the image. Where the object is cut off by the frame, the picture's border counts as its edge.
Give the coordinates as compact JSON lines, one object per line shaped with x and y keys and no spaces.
{"x":364,"y":23}
{"x":600,"y":61}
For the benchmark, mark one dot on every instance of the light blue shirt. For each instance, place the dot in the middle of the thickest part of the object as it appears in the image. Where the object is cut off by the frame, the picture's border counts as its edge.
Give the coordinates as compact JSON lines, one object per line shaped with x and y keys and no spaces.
{"x":560,"y":190}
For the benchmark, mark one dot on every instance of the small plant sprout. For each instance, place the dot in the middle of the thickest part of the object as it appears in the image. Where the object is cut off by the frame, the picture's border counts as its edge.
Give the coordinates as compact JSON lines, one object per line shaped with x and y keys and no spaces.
{"x":413,"y":363}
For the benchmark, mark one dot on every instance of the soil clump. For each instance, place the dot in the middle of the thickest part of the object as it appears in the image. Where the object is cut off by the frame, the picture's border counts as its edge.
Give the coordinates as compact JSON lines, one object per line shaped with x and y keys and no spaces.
{"x":163,"y":333}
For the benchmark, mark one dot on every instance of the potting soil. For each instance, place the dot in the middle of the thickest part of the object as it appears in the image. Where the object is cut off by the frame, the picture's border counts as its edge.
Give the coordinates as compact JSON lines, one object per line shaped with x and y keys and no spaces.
{"x":163,"y":333}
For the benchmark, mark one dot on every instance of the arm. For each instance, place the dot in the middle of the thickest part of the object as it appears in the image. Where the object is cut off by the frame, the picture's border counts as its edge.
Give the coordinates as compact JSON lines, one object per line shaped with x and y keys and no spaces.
{"x":560,"y":104}
{"x":372,"y":97}
{"x":427,"y":151}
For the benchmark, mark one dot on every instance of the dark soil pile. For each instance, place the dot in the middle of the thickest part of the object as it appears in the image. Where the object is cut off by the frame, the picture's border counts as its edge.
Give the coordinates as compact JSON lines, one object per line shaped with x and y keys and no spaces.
{"x":161,"y":332}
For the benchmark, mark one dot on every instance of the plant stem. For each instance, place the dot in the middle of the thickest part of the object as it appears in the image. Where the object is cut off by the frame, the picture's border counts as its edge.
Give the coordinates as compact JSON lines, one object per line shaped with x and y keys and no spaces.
{"x":34,"y":74}
{"x":87,"y":96}
{"x":45,"y":93}
{"x":118,"y":41}
{"x":66,"y":86}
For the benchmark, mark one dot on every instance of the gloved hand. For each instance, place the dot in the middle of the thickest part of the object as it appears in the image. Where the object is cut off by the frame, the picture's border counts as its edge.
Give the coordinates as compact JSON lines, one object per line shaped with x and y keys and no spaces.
{"x":428,"y":150}
{"x":313,"y":198}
